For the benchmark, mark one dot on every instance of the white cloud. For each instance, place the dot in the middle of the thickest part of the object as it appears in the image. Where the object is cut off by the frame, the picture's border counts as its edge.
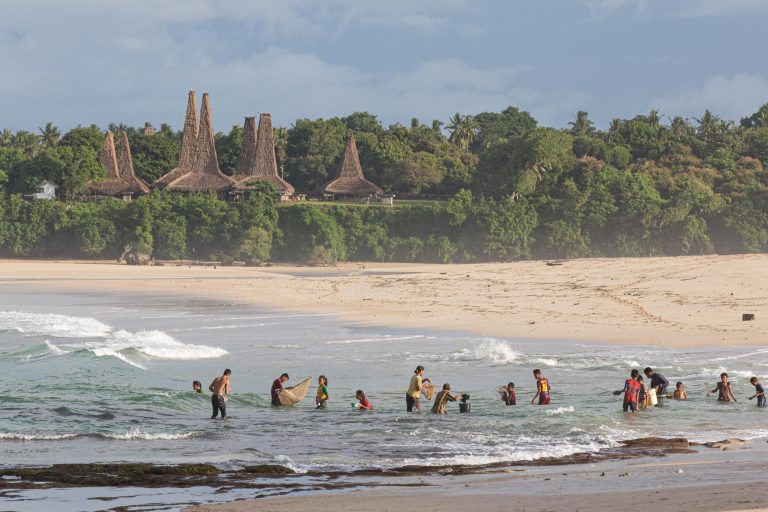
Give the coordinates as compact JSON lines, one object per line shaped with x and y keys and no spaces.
{"x":679,"y":8}
{"x":89,"y":61}
{"x":731,"y":97}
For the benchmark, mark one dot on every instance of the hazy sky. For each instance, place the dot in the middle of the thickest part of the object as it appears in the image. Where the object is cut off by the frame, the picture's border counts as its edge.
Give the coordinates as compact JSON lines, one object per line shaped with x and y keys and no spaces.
{"x":99,"y":61}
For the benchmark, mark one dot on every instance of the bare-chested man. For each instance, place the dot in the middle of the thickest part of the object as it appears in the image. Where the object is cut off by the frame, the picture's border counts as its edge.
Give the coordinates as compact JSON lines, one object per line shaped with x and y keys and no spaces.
{"x":220,"y":387}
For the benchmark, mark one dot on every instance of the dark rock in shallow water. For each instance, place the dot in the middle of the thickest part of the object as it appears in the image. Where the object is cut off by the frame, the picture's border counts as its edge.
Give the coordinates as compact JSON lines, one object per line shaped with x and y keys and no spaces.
{"x":267,"y":470}
{"x":657,"y":442}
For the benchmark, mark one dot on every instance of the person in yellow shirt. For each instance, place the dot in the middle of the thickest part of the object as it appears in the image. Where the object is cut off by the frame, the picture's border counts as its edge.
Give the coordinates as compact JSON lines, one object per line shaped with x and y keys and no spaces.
{"x":415,"y":389}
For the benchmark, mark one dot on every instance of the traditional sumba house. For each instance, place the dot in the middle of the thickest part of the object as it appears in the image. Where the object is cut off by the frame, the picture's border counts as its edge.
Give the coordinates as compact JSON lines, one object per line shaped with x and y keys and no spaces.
{"x":188,"y":144}
{"x":113,"y":185}
{"x":256,"y":161}
{"x":350,"y":183}
{"x":138,"y":187}
{"x":205,"y":175}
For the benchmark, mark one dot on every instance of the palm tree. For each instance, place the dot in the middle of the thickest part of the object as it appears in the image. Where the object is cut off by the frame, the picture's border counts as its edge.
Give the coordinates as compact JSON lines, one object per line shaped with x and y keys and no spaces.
{"x":27,"y":142}
{"x":50,"y":135}
{"x":654,"y":119}
{"x":463,"y":130}
{"x":581,"y":125}
{"x":437,"y":126}
{"x":6,"y":137}
{"x":280,"y":135}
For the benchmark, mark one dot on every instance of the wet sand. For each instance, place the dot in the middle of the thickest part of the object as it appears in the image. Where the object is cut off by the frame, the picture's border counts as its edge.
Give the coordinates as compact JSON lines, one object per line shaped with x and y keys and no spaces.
{"x":672,"y":302}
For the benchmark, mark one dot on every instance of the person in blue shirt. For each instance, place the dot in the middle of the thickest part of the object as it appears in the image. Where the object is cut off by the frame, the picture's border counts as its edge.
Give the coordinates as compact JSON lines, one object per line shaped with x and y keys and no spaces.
{"x":759,"y":392}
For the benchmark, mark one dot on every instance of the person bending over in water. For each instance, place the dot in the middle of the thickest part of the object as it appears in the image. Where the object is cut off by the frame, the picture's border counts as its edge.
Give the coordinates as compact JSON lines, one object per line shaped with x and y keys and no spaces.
{"x":759,"y":392}
{"x":724,"y":391}
{"x":321,"y":397}
{"x":277,"y":385}
{"x":658,"y":384}
{"x":508,"y":394}
{"x":197,"y":387}
{"x":220,"y":388}
{"x":442,"y":398}
{"x":542,"y":388}
{"x":414,"y":390}
{"x":680,"y":392}
{"x":362,"y":403}
{"x":631,"y":390}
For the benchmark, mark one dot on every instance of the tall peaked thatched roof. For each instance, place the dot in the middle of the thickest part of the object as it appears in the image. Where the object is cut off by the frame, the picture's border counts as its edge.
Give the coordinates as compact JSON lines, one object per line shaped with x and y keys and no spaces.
{"x":188,"y":144}
{"x":257,"y":161}
{"x":112,"y":185}
{"x":350,"y":181}
{"x":205,"y":175}
{"x":125,"y":168}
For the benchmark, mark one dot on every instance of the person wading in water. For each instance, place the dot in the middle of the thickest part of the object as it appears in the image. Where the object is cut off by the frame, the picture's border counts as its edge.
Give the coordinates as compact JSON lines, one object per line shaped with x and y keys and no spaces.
{"x":220,"y":388}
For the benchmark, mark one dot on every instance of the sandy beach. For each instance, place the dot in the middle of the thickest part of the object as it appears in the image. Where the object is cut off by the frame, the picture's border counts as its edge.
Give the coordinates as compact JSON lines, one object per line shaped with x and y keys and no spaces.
{"x":671,"y":302}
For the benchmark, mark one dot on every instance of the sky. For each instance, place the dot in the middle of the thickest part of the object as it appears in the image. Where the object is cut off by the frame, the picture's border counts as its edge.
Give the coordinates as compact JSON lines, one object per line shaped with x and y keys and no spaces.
{"x":78,"y":62}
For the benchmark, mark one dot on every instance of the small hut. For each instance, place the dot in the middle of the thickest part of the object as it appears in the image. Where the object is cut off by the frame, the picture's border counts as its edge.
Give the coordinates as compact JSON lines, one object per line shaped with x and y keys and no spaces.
{"x":113,"y":185}
{"x":188,"y":144}
{"x":350,"y":182}
{"x":256,"y":161}
{"x":138,"y":186}
{"x":205,"y":175}
{"x":44,"y":191}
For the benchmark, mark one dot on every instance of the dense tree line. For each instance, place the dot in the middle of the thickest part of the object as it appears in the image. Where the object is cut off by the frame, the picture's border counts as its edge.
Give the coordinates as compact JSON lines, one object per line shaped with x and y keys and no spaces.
{"x":512,"y":190}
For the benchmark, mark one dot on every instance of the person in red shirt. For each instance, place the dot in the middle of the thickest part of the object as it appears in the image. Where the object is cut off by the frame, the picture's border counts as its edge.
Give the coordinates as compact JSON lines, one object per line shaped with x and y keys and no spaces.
{"x":362,"y":402}
{"x":631,"y":389}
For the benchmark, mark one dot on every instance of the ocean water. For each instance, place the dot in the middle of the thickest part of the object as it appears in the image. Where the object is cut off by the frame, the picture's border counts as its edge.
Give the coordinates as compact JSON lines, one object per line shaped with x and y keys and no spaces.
{"x":102,"y":378}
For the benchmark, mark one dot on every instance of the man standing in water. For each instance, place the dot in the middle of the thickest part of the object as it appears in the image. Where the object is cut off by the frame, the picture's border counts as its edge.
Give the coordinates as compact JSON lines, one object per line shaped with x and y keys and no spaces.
{"x":414,"y":390}
{"x":220,"y":387}
{"x":277,"y":385}
{"x":542,"y":388}
{"x":659,"y":383}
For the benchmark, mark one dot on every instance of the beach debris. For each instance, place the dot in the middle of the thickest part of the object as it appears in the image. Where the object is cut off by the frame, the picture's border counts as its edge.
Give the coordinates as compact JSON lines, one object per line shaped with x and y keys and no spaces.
{"x":445,"y":471}
{"x":747,"y":317}
{"x":602,"y":474}
{"x":679,"y":471}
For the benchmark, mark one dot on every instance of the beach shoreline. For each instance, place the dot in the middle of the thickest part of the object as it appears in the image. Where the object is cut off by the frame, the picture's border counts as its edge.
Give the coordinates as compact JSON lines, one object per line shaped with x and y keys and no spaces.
{"x":695,"y":301}
{"x":708,"y":480}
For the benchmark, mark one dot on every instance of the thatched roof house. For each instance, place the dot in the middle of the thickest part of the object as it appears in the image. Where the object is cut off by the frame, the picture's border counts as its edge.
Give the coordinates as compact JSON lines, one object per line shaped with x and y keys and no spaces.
{"x":205,"y":175}
{"x":188,"y":144}
{"x":126,"y":171}
{"x":113,"y":185}
{"x":351,"y":182}
{"x":256,"y":161}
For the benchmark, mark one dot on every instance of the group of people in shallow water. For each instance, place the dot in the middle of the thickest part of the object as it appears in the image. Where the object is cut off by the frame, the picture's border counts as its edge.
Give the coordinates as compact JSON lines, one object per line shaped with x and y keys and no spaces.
{"x":637,"y":394}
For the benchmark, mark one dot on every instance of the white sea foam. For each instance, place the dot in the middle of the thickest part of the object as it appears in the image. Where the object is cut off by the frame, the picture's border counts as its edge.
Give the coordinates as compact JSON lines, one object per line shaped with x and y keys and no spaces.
{"x":560,"y":410}
{"x":15,"y":436}
{"x":49,"y":324}
{"x":286,"y":461}
{"x":136,"y":434}
{"x":101,"y":339}
{"x":373,"y":340}
{"x":493,"y":351}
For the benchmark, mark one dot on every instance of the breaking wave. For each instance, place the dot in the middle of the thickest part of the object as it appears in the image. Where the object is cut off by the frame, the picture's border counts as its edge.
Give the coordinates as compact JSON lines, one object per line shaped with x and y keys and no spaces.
{"x":99,"y":339}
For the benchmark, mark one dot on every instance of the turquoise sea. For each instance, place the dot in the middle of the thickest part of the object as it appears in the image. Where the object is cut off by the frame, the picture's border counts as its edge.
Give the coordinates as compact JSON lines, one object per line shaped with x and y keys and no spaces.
{"x":107,"y":378}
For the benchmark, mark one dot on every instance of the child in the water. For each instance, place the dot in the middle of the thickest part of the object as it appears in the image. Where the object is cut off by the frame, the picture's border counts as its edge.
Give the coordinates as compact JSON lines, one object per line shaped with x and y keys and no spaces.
{"x":759,"y":392}
{"x":508,"y":394}
{"x":197,"y":387}
{"x":723,"y":389}
{"x":321,"y":397}
{"x":362,"y":402}
{"x":680,"y":392}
